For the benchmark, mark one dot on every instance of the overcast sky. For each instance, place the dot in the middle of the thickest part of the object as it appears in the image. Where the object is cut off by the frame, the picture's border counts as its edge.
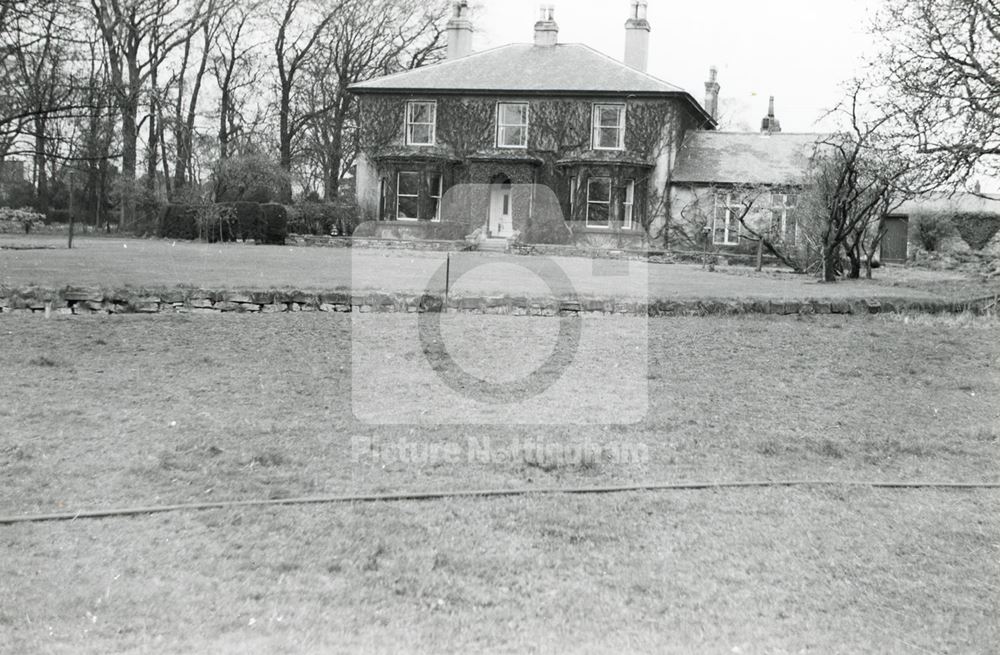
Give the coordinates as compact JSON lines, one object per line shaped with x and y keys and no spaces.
{"x":800,"y":51}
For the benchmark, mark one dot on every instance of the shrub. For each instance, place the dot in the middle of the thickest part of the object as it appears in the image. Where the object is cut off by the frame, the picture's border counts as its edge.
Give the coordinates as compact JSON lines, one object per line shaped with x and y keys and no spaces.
{"x":275,"y":224}
{"x":19,"y":220}
{"x":251,"y":177}
{"x":929,"y":230}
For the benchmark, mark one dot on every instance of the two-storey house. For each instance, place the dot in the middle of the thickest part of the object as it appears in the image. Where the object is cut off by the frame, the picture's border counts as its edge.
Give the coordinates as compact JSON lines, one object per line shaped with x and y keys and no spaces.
{"x":596,"y":136}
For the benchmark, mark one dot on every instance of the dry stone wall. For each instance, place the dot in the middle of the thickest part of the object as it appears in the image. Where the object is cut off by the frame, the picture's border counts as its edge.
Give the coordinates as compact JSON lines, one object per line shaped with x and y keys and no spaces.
{"x":75,"y":301}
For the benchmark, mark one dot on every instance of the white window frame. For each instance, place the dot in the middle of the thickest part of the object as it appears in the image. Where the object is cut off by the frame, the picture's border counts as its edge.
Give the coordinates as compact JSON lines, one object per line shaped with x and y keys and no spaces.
{"x":410,"y":123}
{"x":420,"y":181}
{"x":399,"y":175}
{"x":501,"y":126}
{"x":628,"y":205}
{"x":599,"y":202}
{"x":440,"y":194}
{"x":573,"y":187}
{"x":595,"y":126}
{"x":732,"y":223}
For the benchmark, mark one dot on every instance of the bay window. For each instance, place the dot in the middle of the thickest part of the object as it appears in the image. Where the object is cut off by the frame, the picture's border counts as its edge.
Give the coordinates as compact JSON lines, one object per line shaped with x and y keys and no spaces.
{"x":598,"y":201}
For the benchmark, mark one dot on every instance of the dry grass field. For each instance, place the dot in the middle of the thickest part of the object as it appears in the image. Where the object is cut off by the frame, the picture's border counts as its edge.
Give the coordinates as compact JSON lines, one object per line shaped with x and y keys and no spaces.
{"x":131,"y":410}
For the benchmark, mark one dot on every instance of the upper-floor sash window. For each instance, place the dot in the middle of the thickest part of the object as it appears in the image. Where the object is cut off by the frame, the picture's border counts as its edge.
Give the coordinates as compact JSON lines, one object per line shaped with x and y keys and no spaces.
{"x":421,"y":123}
{"x":609,"y":127}
{"x":512,"y":125}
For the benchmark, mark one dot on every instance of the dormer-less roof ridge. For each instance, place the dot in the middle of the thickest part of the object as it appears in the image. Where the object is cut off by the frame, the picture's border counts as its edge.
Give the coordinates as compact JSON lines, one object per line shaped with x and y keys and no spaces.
{"x":564,"y":67}
{"x":438,"y":65}
{"x":524,"y":68}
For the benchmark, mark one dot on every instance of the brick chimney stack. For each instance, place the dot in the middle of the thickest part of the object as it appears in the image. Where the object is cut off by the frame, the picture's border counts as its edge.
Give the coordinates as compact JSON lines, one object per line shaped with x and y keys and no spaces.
{"x":712,"y":89}
{"x":546,"y":29}
{"x":459,"y":30}
{"x":637,"y":37}
{"x":770,"y":124}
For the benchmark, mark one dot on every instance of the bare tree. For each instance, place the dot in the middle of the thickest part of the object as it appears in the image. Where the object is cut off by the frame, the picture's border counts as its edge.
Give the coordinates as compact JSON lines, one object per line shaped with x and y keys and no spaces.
{"x":365,"y":40}
{"x":942,"y":68}
{"x":236,"y":69}
{"x":859,"y":176}
{"x":137,"y":36}
{"x":300,"y":25}
{"x":214,"y":18}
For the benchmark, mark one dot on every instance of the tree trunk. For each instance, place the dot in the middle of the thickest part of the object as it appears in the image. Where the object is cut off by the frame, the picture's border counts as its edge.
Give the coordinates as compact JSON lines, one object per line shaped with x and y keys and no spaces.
{"x":224,"y":126}
{"x":760,"y":255}
{"x":854,"y":256}
{"x":285,"y":146}
{"x":41,"y":174}
{"x":129,"y":158}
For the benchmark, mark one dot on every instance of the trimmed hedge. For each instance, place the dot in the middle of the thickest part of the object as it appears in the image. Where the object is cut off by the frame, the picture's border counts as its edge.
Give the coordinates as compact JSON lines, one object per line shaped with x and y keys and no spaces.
{"x":229,"y":221}
{"x":248,"y":219}
{"x":976,"y":229}
{"x":178,"y":222}
{"x":338,"y":218}
{"x":274,"y":221}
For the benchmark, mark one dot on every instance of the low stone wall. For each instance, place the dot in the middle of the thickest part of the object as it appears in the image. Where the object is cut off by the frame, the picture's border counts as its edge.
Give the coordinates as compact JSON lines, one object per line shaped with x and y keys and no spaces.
{"x":71,"y":300}
{"x":309,"y":240}
{"x":546,"y":250}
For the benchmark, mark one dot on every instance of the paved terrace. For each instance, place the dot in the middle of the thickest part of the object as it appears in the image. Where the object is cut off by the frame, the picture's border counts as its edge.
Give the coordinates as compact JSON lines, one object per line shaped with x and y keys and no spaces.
{"x":117,"y":263}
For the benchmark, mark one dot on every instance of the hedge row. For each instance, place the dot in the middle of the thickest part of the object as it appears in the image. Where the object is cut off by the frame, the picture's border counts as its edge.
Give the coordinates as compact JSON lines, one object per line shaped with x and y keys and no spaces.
{"x":230,"y":221}
{"x":338,"y":218}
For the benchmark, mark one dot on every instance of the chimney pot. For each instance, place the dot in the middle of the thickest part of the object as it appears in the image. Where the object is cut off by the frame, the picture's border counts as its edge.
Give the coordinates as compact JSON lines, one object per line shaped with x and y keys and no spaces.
{"x":770,"y":124}
{"x":459,"y":30}
{"x":546,"y":29}
{"x":637,"y":37}
{"x":712,"y":89}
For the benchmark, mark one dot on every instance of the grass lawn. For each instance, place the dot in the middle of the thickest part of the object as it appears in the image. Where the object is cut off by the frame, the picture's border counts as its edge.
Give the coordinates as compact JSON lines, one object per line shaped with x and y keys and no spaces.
{"x":132,"y":410}
{"x":112,"y":262}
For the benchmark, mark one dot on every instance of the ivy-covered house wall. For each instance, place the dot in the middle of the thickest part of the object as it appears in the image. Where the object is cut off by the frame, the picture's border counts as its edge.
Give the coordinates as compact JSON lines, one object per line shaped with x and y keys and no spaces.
{"x":631,"y":182}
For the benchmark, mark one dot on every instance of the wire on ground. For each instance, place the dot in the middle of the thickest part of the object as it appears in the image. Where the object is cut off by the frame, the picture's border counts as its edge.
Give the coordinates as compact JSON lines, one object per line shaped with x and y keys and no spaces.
{"x":481,"y":493}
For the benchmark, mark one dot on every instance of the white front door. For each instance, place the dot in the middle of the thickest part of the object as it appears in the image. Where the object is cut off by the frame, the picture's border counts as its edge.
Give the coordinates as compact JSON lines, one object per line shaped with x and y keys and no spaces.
{"x":501,"y":223}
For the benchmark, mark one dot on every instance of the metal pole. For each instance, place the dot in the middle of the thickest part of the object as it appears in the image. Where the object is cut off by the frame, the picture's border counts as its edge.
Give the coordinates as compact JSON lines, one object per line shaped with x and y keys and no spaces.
{"x":447,"y":278}
{"x":70,"y":244}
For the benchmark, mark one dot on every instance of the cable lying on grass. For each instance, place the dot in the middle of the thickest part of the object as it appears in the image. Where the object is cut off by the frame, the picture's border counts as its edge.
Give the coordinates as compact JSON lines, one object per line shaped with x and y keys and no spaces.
{"x":482,"y":493}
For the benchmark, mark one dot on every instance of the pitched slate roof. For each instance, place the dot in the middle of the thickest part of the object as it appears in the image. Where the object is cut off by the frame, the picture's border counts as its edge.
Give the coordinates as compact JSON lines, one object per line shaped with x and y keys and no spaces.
{"x":744,"y":158}
{"x":523,"y":67}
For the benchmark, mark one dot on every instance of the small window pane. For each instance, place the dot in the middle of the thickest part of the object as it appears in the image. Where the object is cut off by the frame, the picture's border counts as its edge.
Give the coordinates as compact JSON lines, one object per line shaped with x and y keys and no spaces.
{"x":609,"y":116}
{"x":419,"y":113}
{"x":408,"y":207}
{"x":597,"y":214}
{"x":599,"y":190}
{"x":514,"y":114}
{"x":512,"y":136}
{"x":409,"y":184}
{"x":420,"y":134}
